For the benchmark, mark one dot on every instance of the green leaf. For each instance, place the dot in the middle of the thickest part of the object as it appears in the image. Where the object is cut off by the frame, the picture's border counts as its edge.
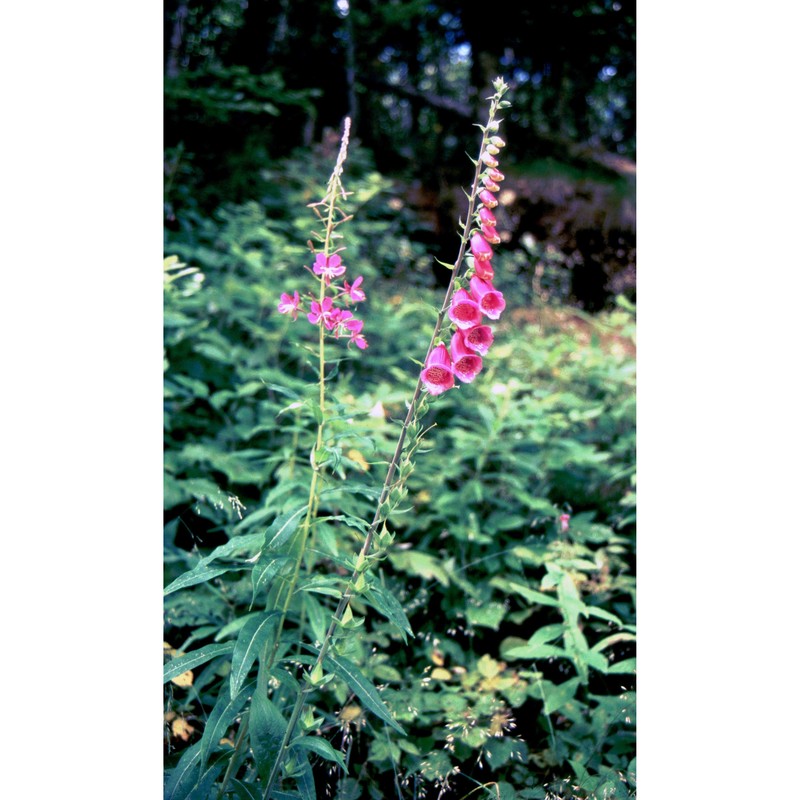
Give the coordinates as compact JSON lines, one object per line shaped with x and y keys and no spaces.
{"x":202,"y":790}
{"x":558,"y":695}
{"x":421,"y":564}
{"x":282,"y":528}
{"x":266,"y":568}
{"x":387,"y":604}
{"x":219,"y":720}
{"x":626,"y":667}
{"x":200,"y":574}
{"x":177,"y":666}
{"x":267,"y":729}
{"x":249,"y":644}
{"x":305,"y":777}
{"x":363,"y":688}
{"x":183,"y":778}
{"x":245,"y":791}
{"x":322,"y":747}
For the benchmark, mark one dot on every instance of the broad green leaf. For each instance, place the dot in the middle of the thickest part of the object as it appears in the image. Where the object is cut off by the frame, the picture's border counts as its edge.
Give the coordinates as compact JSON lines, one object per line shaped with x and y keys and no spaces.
{"x":249,"y":644}
{"x":556,"y":696}
{"x":322,"y":747}
{"x":489,"y":615}
{"x":346,"y":670}
{"x":421,"y":564}
{"x":267,"y":729}
{"x":219,"y":720}
{"x":177,"y":666}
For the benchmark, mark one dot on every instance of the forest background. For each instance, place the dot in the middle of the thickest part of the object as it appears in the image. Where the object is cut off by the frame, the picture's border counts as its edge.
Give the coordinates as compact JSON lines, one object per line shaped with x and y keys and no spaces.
{"x":700,"y":413}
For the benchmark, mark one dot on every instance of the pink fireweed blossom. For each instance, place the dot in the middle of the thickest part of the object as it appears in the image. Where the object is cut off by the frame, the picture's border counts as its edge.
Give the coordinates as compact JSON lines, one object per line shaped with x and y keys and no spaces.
{"x":338,"y":320}
{"x":328,"y":267}
{"x":438,"y":373}
{"x":355,"y":326}
{"x":479,"y":339}
{"x":464,"y":311}
{"x":489,"y":300}
{"x":354,"y":293}
{"x":321,"y":312}
{"x":289,"y":304}
{"x":480,"y":248}
{"x":488,"y":199}
{"x":466,"y":364}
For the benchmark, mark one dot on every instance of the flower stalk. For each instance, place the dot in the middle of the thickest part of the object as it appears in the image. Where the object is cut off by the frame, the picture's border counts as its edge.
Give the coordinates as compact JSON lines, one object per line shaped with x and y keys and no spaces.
{"x":436,"y":377}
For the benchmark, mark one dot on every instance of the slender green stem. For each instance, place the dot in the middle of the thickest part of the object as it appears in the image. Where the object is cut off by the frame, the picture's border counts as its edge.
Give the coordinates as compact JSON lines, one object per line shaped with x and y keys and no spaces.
{"x":380,"y":512}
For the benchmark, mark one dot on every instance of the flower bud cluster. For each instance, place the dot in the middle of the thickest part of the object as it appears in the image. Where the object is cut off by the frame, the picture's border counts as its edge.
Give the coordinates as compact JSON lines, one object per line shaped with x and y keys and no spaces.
{"x":323,"y":309}
{"x":471,"y":338}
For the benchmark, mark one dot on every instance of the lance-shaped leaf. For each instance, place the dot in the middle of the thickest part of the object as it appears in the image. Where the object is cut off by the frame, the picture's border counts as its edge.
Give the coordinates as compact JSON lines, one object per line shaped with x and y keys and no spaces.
{"x":387,"y":604}
{"x":219,"y":720}
{"x":267,"y":729}
{"x":346,"y":670}
{"x":282,"y":528}
{"x":322,"y":747}
{"x":183,"y":778}
{"x":252,"y":638}
{"x":193,"y":659}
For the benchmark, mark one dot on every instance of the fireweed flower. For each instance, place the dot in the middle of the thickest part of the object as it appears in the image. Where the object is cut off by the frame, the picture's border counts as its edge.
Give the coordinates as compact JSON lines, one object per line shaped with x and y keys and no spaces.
{"x":438,"y":373}
{"x":289,"y":304}
{"x":466,"y":363}
{"x":321,"y":312}
{"x":354,"y":293}
{"x":464,"y":311}
{"x":490,"y":301}
{"x":328,"y":266}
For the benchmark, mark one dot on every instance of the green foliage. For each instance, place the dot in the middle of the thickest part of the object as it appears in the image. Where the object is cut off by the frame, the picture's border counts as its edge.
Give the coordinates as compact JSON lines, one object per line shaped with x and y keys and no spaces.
{"x":496,"y":638}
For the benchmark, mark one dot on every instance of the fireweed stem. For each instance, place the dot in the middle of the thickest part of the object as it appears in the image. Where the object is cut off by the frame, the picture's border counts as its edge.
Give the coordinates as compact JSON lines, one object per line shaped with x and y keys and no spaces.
{"x":380,"y":513}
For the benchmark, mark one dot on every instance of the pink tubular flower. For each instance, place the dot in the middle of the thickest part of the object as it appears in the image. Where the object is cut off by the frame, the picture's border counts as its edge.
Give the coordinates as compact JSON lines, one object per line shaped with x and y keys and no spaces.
{"x":490,"y":234}
{"x":495,"y":175}
{"x":484,"y":270}
{"x":489,"y":159}
{"x":479,"y":339}
{"x":354,"y":292}
{"x":328,"y":266}
{"x":289,"y":304}
{"x":466,"y":364}
{"x":489,"y":300}
{"x":464,"y":310}
{"x":437,"y":376}
{"x":488,"y":199}
{"x":486,"y":217}
{"x":480,"y":248}
{"x":490,"y":185}
{"x":321,"y":312}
